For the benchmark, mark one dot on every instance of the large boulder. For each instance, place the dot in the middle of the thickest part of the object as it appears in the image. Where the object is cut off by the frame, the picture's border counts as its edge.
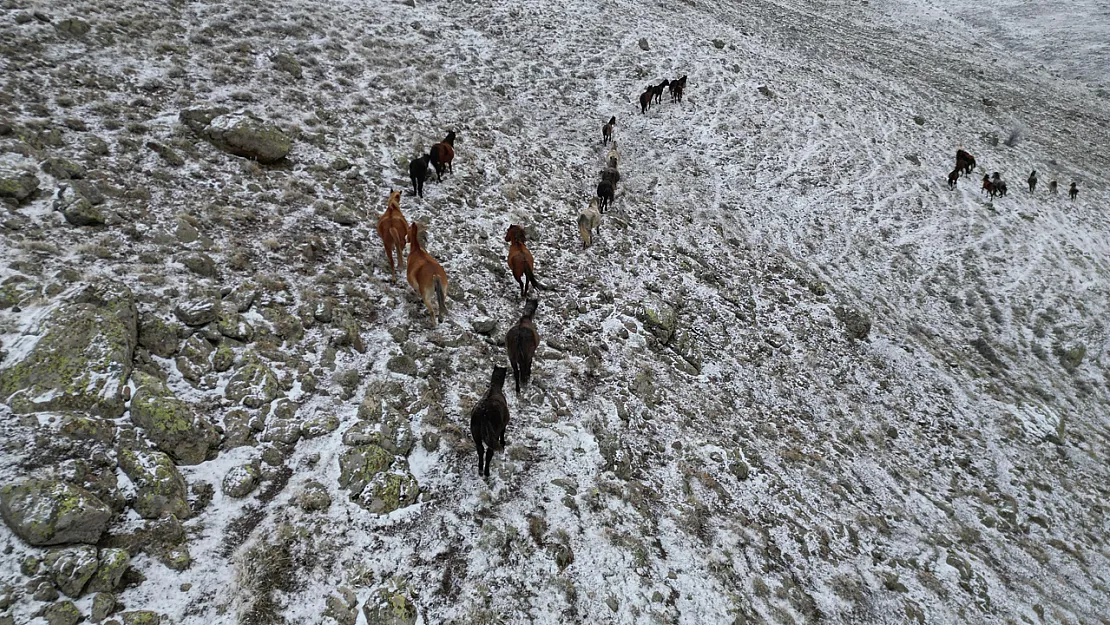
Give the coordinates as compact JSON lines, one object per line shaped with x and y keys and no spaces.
{"x":17,"y":186}
{"x":241,"y":480}
{"x":157,"y":336}
{"x":160,"y":488}
{"x":112,"y":563}
{"x":243,"y":135}
{"x":47,"y":512}
{"x":79,"y":357}
{"x":174,"y":426}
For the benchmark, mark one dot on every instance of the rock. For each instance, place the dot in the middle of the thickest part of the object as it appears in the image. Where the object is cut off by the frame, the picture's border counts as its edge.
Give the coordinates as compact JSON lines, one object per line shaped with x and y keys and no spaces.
{"x":140,"y":617}
{"x":319,"y":425}
{"x":402,"y":364}
{"x":241,"y":480}
{"x":360,"y":465}
{"x":345,"y":216}
{"x":61,"y":613}
{"x":254,"y":384}
{"x":660,"y":319}
{"x":73,"y":27}
{"x":193,"y":363}
{"x":343,"y":608}
{"x":18,"y":185}
{"x":184,"y":231}
{"x":102,"y":605}
{"x":198,"y":119}
{"x":63,"y":169}
{"x":485,"y":327}
{"x":389,"y":491}
{"x":197,"y":312}
{"x":243,"y":135}
{"x":173,"y":425}
{"x":47,"y":512}
{"x":83,"y":428}
{"x":241,"y":298}
{"x":1072,"y":357}
{"x":719,"y":44}
{"x":856,"y":322}
{"x":8,"y":596}
{"x":97,"y":146}
{"x":919,"y":120}
{"x":223,"y":359}
{"x":391,"y":432}
{"x":81,"y":212}
{"x":201,"y":264}
{"x":281,"y":430}
{"x":233,"y":326}
{"x":81,"y":355}
{"x":71,"y":569}
{"x":112,"y":563}
{"x":390,"y":605}
{"x":313,"y":497}
{"x":42,"y":589}
{"x":765,"y":92}
{"x":644,"y":43}
{"x":240,"y":428}
{"x":157,"y":336}
{"x":913,"y":159}
{"x":171,"y":157}
{"x":286,"y":62}
{"x":160,"y":488}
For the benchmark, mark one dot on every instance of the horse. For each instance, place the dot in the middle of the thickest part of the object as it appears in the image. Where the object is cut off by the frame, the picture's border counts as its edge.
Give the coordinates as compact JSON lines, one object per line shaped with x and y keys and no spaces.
{"x":588,"y":220}
{"x":988,"y":186}
{"x":611,"y":175}
{"x":645,"y":100}
{"x":521,"y":342}
{"x":953,"y":176}
{"x":426,"y":276}
{"x":488,"y":420}
{"x":1033,"y":181}
{"x":520,"y":260}
{"x":965,"y":162}
{"x":1052,"y":187}
{"x":998,"y":185}
{"x":1072,"y":191}
{"x":657,"y":90}
{"x":613,"y":157}
{"x":442,"y":154}
{"x":676,"y":93}
{"x":418,"y":173}
{"x":604,"y":194}
{"x":607,"y":130}
{"x":392,"y":228}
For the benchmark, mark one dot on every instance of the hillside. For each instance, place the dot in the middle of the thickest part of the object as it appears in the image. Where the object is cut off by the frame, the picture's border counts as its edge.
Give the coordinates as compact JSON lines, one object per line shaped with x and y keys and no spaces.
{"x":797,"y":379}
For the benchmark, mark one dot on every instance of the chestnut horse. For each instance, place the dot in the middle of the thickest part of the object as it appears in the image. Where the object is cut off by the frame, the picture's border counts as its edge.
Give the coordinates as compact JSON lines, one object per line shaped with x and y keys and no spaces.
{"x":521,"y":342}
{"x":964,"y":162}
{"x":953,"y":176}
{"x":442,"y":154}
{"x":520,"y":260}
{"x":489,"y":419}
{"x":426,"y":276}
{"x":392,"y":228}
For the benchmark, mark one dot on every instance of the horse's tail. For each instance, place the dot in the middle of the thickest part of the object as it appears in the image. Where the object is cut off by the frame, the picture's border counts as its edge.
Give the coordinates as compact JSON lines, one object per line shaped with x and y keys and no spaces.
{"x":437,"y":282}
{"x":525,"y":356}
{"x":532,"y":277}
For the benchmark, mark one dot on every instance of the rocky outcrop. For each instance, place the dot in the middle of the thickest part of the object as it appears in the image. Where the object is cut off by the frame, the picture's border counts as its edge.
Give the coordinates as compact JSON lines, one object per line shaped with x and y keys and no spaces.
{"x":254,"y":384}
{"x":17,"y":186}
{"x":79,"y":359}
{"x":48,"y":512}
{"x":160,"y":488}
{"x":240,"y":134}
{"x":71,"y":569}
{"x":174,"y":426}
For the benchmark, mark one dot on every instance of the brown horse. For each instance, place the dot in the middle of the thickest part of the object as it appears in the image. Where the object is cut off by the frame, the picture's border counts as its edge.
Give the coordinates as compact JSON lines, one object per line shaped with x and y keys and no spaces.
{"x":645,"y":100}
{"x":677,"y":84}
{"x":520,"y":259}
{"x":489,"y":419}
{"x":521,"y":342}
{"x":953,"y":176}
{"x":1052,"y":187}
{"x":1032,"y":181}
{"x":607,"y":130}
{"x":392,"y":228}
{"x":1072,"y":191}
{"x":589,"y":220}
{"x":676,"y":93}
{"x":426,"y":276}
{"x":657,"y":90}
{"x":442,"y":154}
{"x":965,"y":162}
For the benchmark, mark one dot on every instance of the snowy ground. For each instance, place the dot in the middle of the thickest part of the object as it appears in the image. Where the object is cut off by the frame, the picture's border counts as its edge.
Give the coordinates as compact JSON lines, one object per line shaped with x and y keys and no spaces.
{"x":799,"y":475}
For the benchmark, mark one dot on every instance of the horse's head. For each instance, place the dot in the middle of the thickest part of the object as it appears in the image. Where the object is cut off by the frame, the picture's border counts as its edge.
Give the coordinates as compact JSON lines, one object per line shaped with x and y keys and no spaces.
{"x":418,"y":234}
{"x":450,"y":138}
{"x":515,"y":234}
{"x":394,"y":198}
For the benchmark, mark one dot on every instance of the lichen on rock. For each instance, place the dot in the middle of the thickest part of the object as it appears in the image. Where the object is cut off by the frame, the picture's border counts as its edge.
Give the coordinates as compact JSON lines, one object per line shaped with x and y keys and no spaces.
{"x":174,"y":426}
{"x":160,"y":488}
{"x":48,"y":512}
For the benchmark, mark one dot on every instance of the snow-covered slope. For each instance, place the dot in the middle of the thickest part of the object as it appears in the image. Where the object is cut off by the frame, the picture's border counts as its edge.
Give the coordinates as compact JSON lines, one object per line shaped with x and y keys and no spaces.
{"x":703,"y":441}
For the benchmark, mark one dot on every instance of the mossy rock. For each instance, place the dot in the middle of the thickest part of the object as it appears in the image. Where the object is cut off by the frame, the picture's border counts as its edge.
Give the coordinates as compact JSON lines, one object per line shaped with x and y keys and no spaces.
{"x":112,"y":564}
{"x":61,"y":613}
{"x":660,"y":319}
{"x":194,"y":362}
{"x":254,"y":384}
{"x":174,"y":426}
{"x":160,"y":488}
{"x":390,"y":604}
{"x":81,"y":358}
{"x":79,"y":427}
{"x":72,"y":568}
{"x":389,"y":491}
{"x":243,"y":135}
{"x":18,"y":186}
{"x":81,"y":212}
{"x":140,"y":617}
{"x":233,"y":326}
{"x":319,"y":425}
{"x":391,"y":431}
{"x":47,"y":512}
{"x":157,"y":336}
{"x":359,"y":465}
{"x":223,"y":359}
{"x":241,"y":480}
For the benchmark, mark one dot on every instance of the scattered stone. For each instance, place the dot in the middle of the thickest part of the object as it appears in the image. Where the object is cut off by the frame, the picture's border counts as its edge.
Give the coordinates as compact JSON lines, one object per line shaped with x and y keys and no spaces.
{"x":919,"y":120}
{"x":193,"y":363}
{"x":171,"y":157}
{"x":402,"y":364}
{"x":223,"y":359}
{"x":71,"y":569}
{"x":254,"y":384}
{"x":197,"y":312}
{"x":201,"y":264}
{"x":233,"y":326}
{"x":61,"y":613}
{"x":81,"y":212}
{"x":345,"y":216}
{"x":765,"y":92}
{"x":48,"y":512}
{"x":286,"y":62}
{"x":246,"y":136}
{"x":313,"y":497}
{"x":644,"y":43}
{"x":140,"y":617}
{"x":102,"y":606}
{"x":160,"y":488}
{"x":240,"y":481}
{"x":73,"y":27}
{"x":82,"y":361}
{"x":319,"y":425}
{"x":485,"y":327}
{"x":390,"y":604}
{"x":660,"y":319}
{"x":343,"y":608}
{"x":913,"y":159}
{"x":157,"y":336}
{"x":719,"y":44}
{"x":63,"y":169}
{"x":173,"y":425}
{"x":856,"y":322}
{"x":112,"y":563}
{"x":198,"y":119}
{"x":18,"y":186}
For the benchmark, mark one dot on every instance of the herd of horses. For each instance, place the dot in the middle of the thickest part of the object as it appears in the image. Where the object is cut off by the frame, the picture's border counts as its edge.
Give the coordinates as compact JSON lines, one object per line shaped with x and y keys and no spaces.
{"x":490,"y":416}
{"x":993,"y":184}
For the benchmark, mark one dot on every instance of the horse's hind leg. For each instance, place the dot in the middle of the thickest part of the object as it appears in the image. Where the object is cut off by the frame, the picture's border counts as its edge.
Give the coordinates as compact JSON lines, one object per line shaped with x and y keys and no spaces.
{"x":489,"y":456}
